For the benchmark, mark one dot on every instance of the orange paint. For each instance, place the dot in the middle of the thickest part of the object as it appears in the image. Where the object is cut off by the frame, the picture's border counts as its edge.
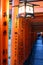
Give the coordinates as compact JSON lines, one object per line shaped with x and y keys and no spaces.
{"x":18,"y":37}
{"x":27,"y":38}
{"x":21,"y":41}
{"x":22,"y":37}
{"x":0,"y":32}
{"x":38,"y":8}
{"x":4,"y":35}
{"x":15,"y":30}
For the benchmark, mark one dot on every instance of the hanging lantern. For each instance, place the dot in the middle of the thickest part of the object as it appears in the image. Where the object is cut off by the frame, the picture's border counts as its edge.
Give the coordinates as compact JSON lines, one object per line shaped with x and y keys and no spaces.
{"x":25,"y":10}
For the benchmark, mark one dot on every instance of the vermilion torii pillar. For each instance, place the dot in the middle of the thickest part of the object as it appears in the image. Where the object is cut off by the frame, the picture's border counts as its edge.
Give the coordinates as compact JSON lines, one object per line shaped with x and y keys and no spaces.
{"x":15,"y":27}
{"x":18,"y":36}
{"x":0,"y":32}
{"x":4,"y":31}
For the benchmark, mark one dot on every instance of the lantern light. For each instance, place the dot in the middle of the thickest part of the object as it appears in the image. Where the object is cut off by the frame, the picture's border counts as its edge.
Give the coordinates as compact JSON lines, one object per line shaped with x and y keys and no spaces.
{"x":25,"y":10}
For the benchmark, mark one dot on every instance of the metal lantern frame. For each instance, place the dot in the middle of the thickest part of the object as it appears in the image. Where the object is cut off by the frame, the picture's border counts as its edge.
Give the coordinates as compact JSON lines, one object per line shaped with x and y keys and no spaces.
{"x":23,"y":6}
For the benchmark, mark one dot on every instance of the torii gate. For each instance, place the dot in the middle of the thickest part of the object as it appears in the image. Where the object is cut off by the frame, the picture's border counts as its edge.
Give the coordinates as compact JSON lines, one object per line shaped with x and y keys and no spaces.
{"x":18,"y":54}
{"x":21,"y":42}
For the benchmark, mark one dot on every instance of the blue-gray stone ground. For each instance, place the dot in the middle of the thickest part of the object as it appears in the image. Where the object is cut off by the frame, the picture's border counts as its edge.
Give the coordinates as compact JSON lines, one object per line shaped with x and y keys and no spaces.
{"x":36,"y":57}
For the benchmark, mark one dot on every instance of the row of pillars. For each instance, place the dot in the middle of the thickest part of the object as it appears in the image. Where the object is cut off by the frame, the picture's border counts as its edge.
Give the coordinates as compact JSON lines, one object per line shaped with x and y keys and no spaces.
{"x":21,"y":40}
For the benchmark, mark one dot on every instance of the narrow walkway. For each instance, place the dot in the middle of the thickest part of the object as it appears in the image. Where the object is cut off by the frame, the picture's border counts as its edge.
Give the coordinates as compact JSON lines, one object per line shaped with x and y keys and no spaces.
{"x":36,"y":57}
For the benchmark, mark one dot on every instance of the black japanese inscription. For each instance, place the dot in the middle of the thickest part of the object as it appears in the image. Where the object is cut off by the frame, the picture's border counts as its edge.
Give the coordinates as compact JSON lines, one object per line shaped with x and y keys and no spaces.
{"x":16,"y":33}
{"x":4,"y":32}
{"x":4,"y":61}
{"x":4,"y":23}
{"x":4,"y":51}
{"x":14,"y":63}
{"x":4,"y":15}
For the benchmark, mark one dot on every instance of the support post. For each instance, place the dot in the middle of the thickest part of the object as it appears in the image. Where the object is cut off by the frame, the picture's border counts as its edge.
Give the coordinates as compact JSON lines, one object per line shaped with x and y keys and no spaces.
{"x":14,"y":33}
{"x":0,"y":32}
{"x":18,"y":38}
{"x":4,"y":31}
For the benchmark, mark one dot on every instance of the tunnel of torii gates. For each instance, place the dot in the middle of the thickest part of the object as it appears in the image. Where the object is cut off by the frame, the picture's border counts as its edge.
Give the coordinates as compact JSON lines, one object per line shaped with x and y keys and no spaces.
{"x":23,"y":34}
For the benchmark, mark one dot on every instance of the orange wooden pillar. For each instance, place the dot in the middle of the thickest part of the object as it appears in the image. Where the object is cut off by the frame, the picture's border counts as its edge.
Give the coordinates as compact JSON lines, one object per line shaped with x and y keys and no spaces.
{"x":0,"y":32}
{"x":21,"y":41}
{"x":15,"y":30}
{"x":32,"y":38}
{"x":18,"y":37}
{"x":27,"y":38}
{"x":4,"y":31}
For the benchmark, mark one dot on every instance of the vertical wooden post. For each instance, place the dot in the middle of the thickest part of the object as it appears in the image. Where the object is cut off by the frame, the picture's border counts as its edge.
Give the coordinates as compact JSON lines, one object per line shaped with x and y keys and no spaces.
{"x":21,"y":43}
{"x":18,"y":37}
{"x":15,"y":28}
{"x":0,"y":32}
{"x":27,"y":38}
{"x":4,"y":31}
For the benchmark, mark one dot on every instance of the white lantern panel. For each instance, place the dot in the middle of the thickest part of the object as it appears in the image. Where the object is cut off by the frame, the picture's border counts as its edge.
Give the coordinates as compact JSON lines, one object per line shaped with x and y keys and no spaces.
{"x":21,"y":9}
{"x":29,"y":9}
